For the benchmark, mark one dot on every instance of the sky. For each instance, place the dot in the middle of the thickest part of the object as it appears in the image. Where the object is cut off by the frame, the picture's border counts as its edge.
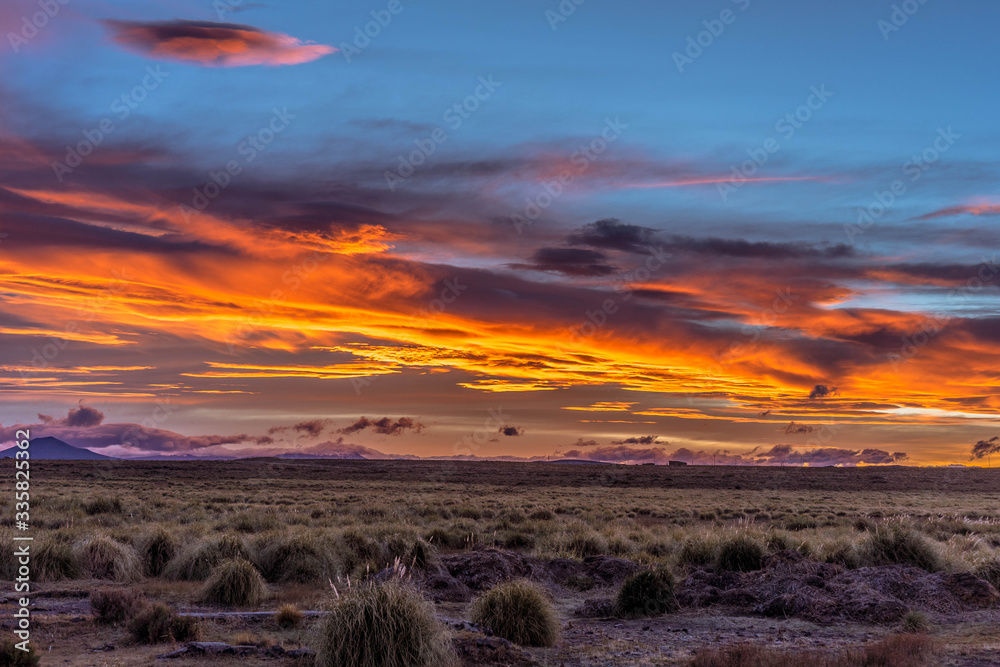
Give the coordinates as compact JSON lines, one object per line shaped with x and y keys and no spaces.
{"x":738,"y":231}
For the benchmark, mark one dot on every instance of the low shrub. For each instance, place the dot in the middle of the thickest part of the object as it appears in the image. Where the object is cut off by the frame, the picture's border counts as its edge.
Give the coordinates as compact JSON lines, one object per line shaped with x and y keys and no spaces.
{"x":510,"y":519}
{"x":584,"y":542}
{"x":447,"y":539}
{"x":646,"y":593}
{"x":359,"y":549}
{"x":294,"y":558}
{"x":101,"y":557}
{"x":893,"y":543}
{"x":990,"y":571}
{"x":254,"y":522}
{"x":12,"y":656}
{"x":412,"y":551}
{"x":698,"y":550}
{"x":741,"y":553}
{"x":158,"y":623}
{"x":800,"y":522}
{"x":250,"y":639}
{"x":8,"y":563}
{"x":515,"y":539}
{"x":114,"y":606}
{"x":916,"y":621}
{"x":621,"y":547}
{"x":235,"y":583}
{"x":288,"y":616}
{"x":383,"y":625}
{"x":842,"y":552}
{"x":197,"y":562}
{"x":54,"y":561}
{"x":103,"y":505}
{"x":517,"y":611}
{"x":903,"y":650}
{"x":864,"y":525}
{"x":156,"y":550}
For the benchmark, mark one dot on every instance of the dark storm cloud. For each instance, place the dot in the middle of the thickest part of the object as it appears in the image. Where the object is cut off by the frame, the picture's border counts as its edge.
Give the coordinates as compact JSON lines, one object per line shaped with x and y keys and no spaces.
{"x":613,"y":234}
{"x":985,"y":448}
{"x":313,"y":427}
{"x":826,"y":456}
{"x":983,"y":274}
{"x":569,"y":261}
{"x":756,"y":249}
{"x":821,"y":391}
{"x":638,"y":440}
{"x":511,"y":430}
{"x":383,"y":426}
{"x":129,"y":436}
{"x":83,"y":416}
{"x":796,"y":429}
{"x":617,"y":454}
{"x":789,"y":455}
{"x":325,"y":216}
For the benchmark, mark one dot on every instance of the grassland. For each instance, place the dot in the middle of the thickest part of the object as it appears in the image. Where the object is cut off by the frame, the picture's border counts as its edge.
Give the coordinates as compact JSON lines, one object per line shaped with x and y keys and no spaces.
{"x":258,"y":534}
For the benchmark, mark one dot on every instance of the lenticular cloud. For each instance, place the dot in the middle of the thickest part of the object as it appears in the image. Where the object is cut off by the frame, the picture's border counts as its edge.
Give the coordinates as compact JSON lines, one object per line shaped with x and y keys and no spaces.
{"x":213,"y":44}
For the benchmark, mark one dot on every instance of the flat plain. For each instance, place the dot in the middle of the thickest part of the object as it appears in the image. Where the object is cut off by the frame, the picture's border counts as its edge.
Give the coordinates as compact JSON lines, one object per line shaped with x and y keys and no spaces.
{"x":769,"y":565}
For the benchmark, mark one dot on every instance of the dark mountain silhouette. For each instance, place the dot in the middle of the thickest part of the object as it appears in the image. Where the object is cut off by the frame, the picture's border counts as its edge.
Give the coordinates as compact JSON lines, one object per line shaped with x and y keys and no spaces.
{"x":56,"y":449}
{"x":297,"y":455}
{"x":179,"y":457}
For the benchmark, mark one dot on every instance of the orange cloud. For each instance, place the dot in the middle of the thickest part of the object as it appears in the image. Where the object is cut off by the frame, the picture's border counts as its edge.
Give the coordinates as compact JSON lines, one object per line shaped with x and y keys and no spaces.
{"x":214,"y":44}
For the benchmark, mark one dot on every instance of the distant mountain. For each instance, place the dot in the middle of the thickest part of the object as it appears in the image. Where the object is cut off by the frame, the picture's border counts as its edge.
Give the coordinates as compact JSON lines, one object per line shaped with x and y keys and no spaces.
{"x":296,"y":455}
{"x":179,"y":457}
{"x":55,"y":449}
{"x":581,"y":462}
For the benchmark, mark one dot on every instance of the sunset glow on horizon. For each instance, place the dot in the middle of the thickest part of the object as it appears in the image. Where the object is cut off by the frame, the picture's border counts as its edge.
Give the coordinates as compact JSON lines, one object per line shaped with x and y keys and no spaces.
{"x":256,"y":233}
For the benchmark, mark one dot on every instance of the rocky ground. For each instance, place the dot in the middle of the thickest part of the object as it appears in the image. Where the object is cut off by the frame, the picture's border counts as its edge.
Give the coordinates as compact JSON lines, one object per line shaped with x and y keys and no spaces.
{"x":791,"y":603}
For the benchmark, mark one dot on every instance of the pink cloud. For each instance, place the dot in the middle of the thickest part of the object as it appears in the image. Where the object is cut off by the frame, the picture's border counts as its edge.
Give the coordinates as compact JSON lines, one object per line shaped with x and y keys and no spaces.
{"x":214,"y":44}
